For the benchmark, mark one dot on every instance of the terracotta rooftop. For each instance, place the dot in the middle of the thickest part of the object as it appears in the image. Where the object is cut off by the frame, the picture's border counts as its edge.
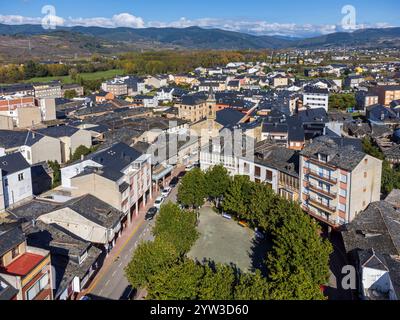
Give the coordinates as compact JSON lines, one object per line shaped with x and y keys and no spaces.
{"x":24,"y":264}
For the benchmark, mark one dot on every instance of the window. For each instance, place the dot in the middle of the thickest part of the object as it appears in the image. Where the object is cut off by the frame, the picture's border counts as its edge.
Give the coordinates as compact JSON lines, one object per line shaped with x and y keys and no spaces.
{"x":269,"y":175}
{"x":342,"y":207}
{"x":15,"y":252}
{"x":343,"y":193}
{"x":20,"y":177}
{"x":257,"y":171}
{"x":37,"y":287}
{"x":343,"y":178}
{"x":365,"y":174}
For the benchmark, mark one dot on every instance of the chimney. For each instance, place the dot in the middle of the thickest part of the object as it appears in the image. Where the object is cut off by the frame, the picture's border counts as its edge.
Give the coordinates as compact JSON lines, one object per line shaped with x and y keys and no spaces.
{"x":82,"y":157}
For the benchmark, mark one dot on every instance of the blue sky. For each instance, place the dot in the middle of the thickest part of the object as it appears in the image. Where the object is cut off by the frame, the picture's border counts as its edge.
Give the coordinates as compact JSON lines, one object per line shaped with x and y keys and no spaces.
{"x":291,"y":17}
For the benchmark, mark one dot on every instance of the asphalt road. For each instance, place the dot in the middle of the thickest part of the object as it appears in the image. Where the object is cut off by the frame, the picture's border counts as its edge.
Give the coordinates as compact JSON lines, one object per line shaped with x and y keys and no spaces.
{"x":113,"y":284}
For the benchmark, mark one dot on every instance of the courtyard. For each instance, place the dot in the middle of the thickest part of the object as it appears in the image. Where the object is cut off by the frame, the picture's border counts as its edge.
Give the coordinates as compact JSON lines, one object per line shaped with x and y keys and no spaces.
{"x":224,"y":241}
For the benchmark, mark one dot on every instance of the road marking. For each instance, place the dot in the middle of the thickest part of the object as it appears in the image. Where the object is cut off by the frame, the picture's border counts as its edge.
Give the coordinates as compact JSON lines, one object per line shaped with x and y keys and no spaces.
{"x":102,"y":274}
{"x":114,"y":273}
{"x":108,"y":282}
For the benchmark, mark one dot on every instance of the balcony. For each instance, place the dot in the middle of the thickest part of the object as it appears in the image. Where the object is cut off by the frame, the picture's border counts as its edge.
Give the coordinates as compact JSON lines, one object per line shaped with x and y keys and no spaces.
{"x":321,"y":163}
{"x":320,"y":176}
{"x":314,"y":188}
{"x":320,"y":205}
{"x":324,"y":218}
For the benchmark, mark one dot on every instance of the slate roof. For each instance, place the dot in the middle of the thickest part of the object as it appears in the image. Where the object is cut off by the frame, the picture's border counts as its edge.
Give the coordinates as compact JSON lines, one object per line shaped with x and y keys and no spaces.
{"x":13,"y":163}
{"x":10,"y":238}
{"x":341,"y":155}
{"x":116,"y":158}
{"x":379,"y":113}
{"x":229,"y":117}
{"x":378,"y":227}
{"x":58,"y":132}
{"x":33,"y":210}
{"x":7,"y":291}
{"x":277,"y":157}
{"x":95,"y":210}
{"x":13,"y":139}
{"x":394,"y":198}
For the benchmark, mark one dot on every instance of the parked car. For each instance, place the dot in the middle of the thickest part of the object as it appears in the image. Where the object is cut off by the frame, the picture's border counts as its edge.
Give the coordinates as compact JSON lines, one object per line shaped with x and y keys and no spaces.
{"x":260,"y":235}
{"x":227,"y":216}
{"x":190,"y":167}
{"x":159,"y":201}
{"x":151,"y":213}
{"x":243,"y":224}
{"x":174,"y":182}
{"x":165,"y":193}
{"x":85,"y":298}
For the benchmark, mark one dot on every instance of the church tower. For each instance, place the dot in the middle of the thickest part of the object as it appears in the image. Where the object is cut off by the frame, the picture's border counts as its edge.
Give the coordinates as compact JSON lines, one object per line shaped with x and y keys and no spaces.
{"x":211,"y":105}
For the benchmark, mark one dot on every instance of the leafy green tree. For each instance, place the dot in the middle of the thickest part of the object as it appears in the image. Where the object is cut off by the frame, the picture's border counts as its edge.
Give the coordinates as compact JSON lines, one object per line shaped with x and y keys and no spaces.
{"x":298,"y":285}
{"x":149,"y":259}
{"x":192,"y":190}
{"x":342,"y":101}
{"x":261,"y":200}
{"x":79,"y":152}
{"x":237,"y":197}
{"x":218,"y":283}
{"x":55,"y":166}
{"x":252,"y":287}
{"x":177,"y":227}
{"x":179,"y":282}
{"x":299,"y":254}
{"x":217,"y":182}
{"x":70,"y":94}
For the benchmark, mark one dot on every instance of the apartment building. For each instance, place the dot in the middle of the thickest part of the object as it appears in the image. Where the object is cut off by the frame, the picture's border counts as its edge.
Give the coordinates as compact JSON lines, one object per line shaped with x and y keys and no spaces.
{"x":117,"y":87}
{"x":23,"y":89}
{"x":119,"y":175}
{"x":70,"y":139}
{"x":315,"y":98}
{"x":48,"y":90}
{"x":69,"y":87}
{"x":387,"y":93}
{"x":366,"y":99}
{"x":337,"y":181}
{"x":25,"y":269}
{"x":16,"y":180}
{"x":34,"y":146}
{"x":276,"y":166}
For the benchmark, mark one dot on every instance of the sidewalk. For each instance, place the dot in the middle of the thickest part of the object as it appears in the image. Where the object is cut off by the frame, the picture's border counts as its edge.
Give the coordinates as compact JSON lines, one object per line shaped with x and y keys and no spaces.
{"x":126,"y":236}
{"x":121,"y":242}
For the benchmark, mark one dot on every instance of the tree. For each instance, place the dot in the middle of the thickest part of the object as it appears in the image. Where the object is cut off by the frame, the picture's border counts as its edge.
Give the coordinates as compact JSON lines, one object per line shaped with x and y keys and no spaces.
{"x":342,"y":101}
{"x":261,"y":200}
{"x":149,"y":259}
{"x":192,"y":190}
{"x":236,"y":197}
{"x":55,"y":166}
{"x":79,"y":152}
{"x":299,"y":257}
{"x":177,"y":227}
{"x":218,"y":283}
{"x":252,"y":287}
{"x":217,"y":180}
{"x":179,"y":282}
{"x":70,"y":94}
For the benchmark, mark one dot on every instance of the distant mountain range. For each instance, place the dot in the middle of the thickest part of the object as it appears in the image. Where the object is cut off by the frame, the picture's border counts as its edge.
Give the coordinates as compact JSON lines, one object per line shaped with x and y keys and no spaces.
{"x":99,"y":39}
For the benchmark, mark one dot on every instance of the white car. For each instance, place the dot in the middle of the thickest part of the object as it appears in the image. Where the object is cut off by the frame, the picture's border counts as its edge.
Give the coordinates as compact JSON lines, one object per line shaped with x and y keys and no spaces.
{"x":165,"y":193}
{"x":159,"y":202}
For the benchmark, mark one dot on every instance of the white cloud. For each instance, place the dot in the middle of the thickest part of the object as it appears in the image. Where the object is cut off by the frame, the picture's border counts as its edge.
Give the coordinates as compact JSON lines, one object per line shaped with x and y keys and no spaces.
{"x":258,"y":27}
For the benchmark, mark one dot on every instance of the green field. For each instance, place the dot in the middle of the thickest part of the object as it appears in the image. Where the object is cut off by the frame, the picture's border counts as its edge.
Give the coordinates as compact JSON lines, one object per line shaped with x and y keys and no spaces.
{"x":86,"y":76}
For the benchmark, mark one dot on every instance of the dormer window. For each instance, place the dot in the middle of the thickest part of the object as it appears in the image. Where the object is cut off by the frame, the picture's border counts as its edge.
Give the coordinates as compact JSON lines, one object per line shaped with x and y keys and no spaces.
{"x":323,"y":157}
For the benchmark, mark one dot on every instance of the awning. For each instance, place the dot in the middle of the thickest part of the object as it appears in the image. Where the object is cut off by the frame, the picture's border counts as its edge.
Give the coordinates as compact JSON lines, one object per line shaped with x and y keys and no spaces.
{"x":161,"y":171}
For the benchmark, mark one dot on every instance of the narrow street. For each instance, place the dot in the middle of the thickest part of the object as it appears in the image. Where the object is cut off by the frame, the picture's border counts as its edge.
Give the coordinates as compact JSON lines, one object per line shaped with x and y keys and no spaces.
{"x":110,"y":282}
